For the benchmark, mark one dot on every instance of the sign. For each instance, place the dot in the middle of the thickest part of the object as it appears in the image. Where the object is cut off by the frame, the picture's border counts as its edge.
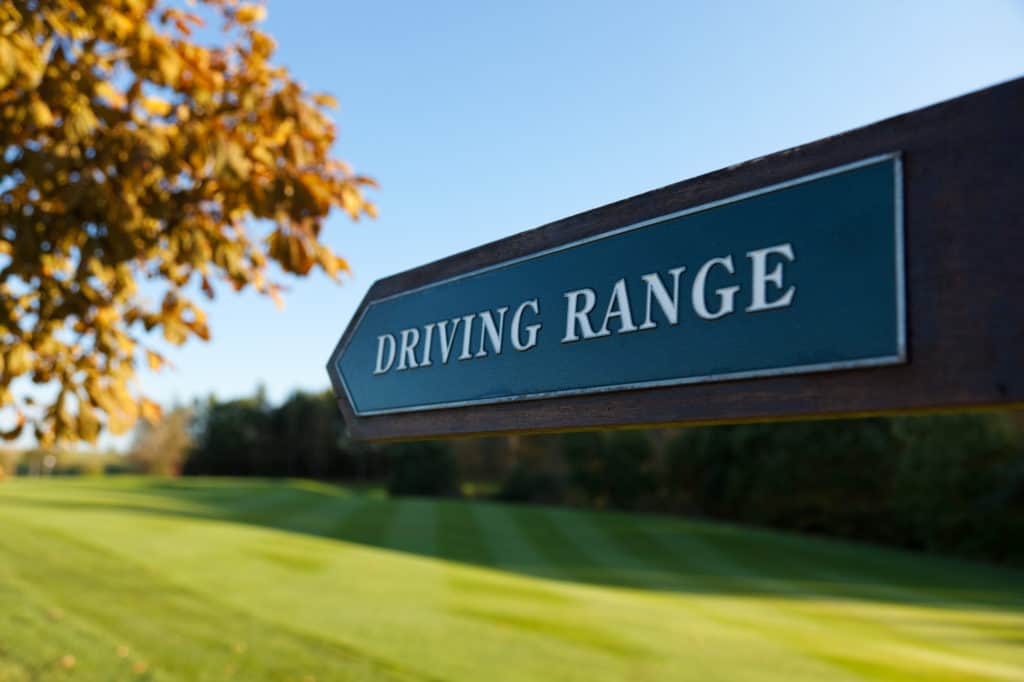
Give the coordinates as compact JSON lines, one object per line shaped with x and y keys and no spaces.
{"x":775,"y":288}
{"x":803,"y":276}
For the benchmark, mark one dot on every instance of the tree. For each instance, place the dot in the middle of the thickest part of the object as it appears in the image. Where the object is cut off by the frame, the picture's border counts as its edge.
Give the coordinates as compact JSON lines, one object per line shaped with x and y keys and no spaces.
{"x":425,"y":467}
{"x":161,"y":448}
{"x":307,"y":431}
{"x":303,"y":436}
{"x":612,"y":470}
{"x":230,"y":439}
{"x":130,"y":151}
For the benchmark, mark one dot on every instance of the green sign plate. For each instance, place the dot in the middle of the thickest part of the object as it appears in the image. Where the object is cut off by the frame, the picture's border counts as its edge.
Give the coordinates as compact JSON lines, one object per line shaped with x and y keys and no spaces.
{"x":798,"y":277}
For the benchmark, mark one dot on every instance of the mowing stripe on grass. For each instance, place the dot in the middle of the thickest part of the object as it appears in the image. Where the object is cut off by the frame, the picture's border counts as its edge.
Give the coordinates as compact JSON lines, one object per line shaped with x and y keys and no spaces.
{"x":415,"y":526}
{"x":460,"y":536}
{"x":635,"y":558}
{"x":635,"y":566}
{"x":624,"y":555}
{"x":260,"y":505}
{"x":554,"y":546}
{"x":506,"y":543}
{"x":320,"y":516}
{"x":368,"y":522}
{"x":806,"y":616}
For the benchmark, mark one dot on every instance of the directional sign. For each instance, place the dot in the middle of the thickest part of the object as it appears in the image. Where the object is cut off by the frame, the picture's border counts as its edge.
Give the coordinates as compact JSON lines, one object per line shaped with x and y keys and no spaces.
{"x":804,"y":276}
{"x":731,"y":296}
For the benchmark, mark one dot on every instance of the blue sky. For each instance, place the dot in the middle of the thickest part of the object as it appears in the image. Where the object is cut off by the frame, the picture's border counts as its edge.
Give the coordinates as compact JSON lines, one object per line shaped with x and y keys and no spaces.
{"x":481,"y":120}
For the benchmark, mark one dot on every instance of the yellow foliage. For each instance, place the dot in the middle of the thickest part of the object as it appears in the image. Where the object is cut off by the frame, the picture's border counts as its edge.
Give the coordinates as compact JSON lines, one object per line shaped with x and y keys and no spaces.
{"x":75,"y":317}
{"x":250,"y":14}
{"x":150,"y":411}
{"x":111,"y":94}
{"x":325,"y":100}
{"x":155,"y":360}
{"x":41,"y":114}
{"x":156,"y":106}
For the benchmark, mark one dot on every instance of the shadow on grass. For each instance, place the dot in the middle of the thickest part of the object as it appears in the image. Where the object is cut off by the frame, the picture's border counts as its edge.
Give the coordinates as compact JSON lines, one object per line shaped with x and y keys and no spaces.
{"x":638,"y":551}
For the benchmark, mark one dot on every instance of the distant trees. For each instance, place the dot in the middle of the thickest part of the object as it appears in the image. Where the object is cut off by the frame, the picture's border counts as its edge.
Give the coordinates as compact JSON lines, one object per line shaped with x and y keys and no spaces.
{"x":951,"y":483}
{"x":422,"y":468}
{"x":43,"y":461}
{"x":305,"y":436}
{"x":309,"y":433}
{"x":8,"y":461}
{"x":611,"y":470}
{"x":161,"y":448}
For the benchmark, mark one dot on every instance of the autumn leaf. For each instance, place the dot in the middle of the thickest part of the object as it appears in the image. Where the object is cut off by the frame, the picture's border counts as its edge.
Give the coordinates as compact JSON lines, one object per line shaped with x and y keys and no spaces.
{"x":111,"y":94}
{"x":155,"y":360}
{"x":325,"y":100}
{"x":275,"y":294}
{"x":88,"y":423}
{"x":18,"y":360}
{"x":41,"y":114}
{"x":150,"y":411}
{"x":8,"y":63}
{"x":156,"y":106}
{"x":250,"y":14}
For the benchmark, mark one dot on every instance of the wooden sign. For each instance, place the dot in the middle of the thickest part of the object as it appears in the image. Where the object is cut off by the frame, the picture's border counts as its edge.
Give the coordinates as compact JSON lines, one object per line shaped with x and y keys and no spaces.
{"x":872,"y":272}
{"x":802,"y":276}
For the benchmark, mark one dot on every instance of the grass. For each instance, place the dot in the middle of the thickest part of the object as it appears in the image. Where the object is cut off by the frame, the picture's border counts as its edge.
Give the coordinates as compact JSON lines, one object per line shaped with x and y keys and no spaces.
{"x":135,"y":579}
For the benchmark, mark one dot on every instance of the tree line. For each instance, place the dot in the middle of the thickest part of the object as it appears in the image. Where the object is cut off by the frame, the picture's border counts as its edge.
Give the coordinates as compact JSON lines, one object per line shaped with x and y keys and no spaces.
{"x":950,"y":483}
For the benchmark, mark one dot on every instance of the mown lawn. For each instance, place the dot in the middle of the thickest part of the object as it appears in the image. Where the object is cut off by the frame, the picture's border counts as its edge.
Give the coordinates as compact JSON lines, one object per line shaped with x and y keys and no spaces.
{"x":134,"y":579}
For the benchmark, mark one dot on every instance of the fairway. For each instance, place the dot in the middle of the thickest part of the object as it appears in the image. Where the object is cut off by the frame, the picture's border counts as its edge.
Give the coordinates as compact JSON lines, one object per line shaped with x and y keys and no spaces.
{"x":136,"y":579}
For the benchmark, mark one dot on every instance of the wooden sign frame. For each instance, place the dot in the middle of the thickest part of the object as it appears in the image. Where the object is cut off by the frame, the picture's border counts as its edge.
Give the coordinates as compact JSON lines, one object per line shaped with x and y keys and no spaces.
{"x":963,"y":195}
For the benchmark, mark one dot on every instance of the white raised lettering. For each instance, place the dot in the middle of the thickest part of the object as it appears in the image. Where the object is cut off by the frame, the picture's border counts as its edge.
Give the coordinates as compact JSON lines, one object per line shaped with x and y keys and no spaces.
{"x":447,"y":342}
{"x":406,"y":355}
{"x":488,"y":330}
{"x":577,"y":316}
{"x":427,"y":338}
{"x":531,"y":329}
{"x":382,"y":340}
{"x":656,"y":290}
{"x":726,"y":295}
{"x":618,"y":306}
{"x":467,"y":333}
{"x":760,"y":278}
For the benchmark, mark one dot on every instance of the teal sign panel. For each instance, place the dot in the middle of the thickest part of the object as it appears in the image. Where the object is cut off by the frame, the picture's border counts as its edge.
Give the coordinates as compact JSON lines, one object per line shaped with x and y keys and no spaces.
{"x":804,"y":276}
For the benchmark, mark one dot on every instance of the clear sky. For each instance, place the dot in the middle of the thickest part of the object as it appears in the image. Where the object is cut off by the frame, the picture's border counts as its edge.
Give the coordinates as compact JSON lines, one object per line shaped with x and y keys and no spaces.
{"x":484,"y":119}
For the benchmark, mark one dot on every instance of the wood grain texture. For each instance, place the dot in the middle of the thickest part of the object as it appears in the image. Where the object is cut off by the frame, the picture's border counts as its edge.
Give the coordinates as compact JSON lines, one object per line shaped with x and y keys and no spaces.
{"x":963,"y":166}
